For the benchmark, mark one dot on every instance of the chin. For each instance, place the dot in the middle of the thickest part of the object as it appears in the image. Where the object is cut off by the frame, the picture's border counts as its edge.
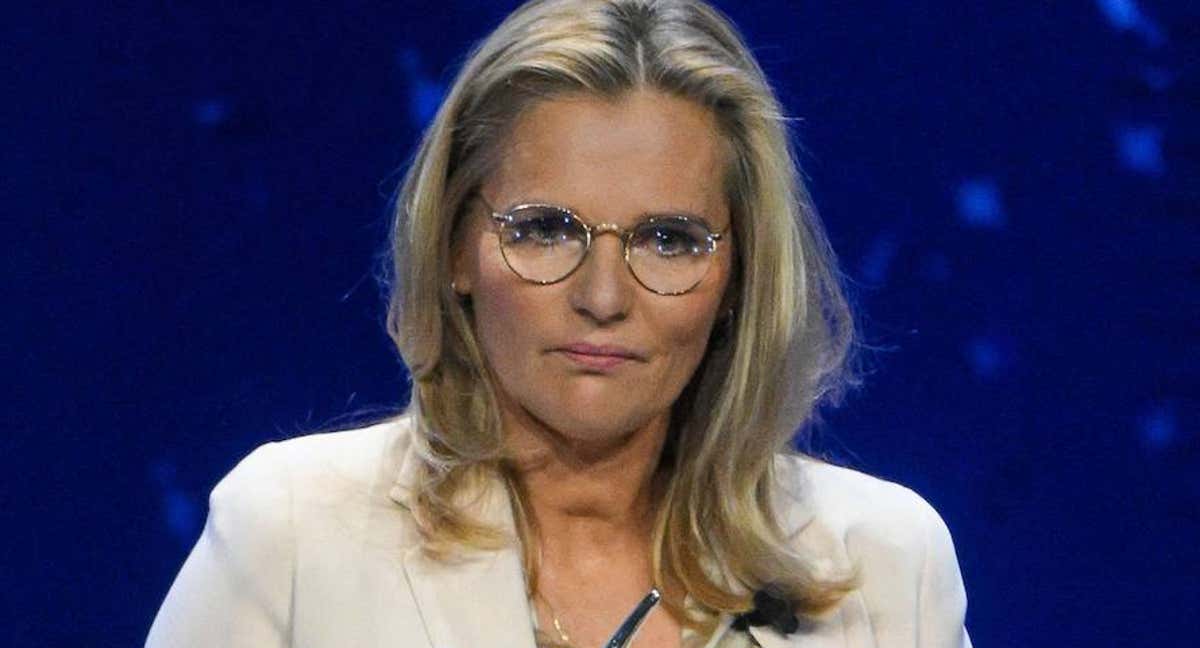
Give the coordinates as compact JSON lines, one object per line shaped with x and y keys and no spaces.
{"x":592,"y":424}
{"x":582,"y":408}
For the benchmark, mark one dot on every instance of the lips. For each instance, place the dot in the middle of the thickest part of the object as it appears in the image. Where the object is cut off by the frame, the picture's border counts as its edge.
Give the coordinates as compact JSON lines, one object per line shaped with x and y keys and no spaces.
{"x":595,"y":356}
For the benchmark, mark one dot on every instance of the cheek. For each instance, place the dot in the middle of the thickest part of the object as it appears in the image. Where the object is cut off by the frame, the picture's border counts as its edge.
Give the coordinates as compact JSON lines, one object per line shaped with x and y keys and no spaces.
{"x":681,"y":326}
{"x":503,"y":312}
{"x":497,"y":319}
{"x":690,"y":327}
{"x":689,"y":341}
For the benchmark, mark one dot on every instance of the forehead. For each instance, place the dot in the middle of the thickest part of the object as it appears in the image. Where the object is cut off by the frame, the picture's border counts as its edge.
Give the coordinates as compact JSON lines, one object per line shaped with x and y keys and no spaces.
{"x":645,"y":151}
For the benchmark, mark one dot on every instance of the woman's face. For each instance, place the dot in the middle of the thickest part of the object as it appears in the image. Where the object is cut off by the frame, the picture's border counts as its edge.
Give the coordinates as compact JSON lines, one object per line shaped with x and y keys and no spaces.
{"x":596,"y":356}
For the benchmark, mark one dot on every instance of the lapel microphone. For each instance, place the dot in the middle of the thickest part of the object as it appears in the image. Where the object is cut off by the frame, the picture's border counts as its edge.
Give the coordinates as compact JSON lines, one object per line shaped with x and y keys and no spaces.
{"x":772,"y":609}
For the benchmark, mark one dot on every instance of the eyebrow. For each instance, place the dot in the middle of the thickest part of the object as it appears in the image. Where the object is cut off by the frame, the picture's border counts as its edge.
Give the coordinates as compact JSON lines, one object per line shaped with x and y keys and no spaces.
{"x":686,"y":214}
{"x":643,"y":216}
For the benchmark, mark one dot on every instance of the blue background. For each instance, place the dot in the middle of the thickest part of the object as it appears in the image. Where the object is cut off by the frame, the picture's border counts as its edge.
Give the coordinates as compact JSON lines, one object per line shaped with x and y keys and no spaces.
{"x":195,"y":200}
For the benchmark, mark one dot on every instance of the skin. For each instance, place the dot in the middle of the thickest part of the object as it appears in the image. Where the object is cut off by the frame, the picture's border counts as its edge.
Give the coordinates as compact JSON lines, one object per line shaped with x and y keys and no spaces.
{"x":587,"y":441}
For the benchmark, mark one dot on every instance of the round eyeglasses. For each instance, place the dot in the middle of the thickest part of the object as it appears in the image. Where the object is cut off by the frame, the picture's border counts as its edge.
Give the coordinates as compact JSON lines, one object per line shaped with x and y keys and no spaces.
{"x":544,"y":244}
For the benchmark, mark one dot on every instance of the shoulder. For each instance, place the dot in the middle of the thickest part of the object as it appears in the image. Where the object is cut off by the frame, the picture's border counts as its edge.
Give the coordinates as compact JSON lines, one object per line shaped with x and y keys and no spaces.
{"x":352,"y":454}
{"x":291,"y":514}
{"x":280,"y":479}
{"x":349,"y":453}
{"x":897,"y":543}
{"x":858,"y":506}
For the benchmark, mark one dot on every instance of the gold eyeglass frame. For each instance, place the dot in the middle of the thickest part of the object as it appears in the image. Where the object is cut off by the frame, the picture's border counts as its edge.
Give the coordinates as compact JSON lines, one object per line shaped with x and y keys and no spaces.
{"x":503,"y":219}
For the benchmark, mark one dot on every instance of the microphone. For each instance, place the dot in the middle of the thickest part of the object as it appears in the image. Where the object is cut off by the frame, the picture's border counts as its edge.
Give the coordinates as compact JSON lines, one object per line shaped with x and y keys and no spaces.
{"x":771,"y":608}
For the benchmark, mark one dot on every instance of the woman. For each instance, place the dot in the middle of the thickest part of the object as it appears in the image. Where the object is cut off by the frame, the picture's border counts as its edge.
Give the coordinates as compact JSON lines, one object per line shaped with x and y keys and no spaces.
{"x":593,"y":416}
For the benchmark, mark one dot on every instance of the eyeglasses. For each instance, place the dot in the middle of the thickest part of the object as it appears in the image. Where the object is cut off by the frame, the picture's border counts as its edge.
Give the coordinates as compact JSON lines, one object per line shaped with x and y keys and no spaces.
{"x":544,"y":244}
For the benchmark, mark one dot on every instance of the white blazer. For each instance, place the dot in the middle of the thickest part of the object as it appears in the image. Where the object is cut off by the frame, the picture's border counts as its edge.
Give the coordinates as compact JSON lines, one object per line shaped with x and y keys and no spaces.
{"x":309,"y":544}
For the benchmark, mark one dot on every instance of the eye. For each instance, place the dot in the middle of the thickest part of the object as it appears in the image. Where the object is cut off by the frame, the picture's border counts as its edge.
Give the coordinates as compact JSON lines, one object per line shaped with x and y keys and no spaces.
{"x":670,"y":238}
{"x":541,"y":226}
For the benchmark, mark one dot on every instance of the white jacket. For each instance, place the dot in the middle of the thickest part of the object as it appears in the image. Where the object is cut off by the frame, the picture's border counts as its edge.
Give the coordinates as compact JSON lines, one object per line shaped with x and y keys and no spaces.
{"x":309,"y":544}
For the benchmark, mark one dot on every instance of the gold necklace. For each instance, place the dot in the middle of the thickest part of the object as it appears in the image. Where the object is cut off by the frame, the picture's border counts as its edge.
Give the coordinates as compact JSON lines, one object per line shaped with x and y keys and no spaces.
{"x":558,"y":626}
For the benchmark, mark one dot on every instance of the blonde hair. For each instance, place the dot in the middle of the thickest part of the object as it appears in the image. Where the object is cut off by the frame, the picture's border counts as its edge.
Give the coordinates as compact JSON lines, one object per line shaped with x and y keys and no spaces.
{"x":765,"y":373}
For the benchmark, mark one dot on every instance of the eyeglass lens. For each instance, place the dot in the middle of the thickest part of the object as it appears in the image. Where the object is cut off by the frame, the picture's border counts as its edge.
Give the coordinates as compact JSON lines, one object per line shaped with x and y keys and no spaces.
{"x":544,"y":244}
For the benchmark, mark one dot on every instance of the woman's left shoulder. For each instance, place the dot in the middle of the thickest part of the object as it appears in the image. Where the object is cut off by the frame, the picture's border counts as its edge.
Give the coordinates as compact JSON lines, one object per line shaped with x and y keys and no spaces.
{"x":899,"y":546}
{"x":858,"y":504}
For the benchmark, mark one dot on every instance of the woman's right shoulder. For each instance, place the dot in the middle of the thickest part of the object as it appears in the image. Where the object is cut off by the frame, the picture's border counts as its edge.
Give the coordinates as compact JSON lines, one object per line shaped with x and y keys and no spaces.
{"x":319,"y":499}
{"x":278,"y":479}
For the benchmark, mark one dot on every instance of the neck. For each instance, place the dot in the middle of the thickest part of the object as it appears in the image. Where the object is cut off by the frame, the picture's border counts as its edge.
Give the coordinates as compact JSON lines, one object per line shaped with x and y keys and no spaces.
{"x":586,"y":492}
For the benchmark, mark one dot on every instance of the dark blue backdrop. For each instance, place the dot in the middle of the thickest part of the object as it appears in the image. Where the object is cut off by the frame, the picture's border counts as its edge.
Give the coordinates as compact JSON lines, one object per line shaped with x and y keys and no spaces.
{"x":194,"y":197}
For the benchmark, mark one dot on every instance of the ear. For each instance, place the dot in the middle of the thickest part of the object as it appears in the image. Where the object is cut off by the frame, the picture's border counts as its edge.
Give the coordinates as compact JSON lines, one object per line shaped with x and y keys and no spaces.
{"x":461,"y":261}
{"x":460,"y":278}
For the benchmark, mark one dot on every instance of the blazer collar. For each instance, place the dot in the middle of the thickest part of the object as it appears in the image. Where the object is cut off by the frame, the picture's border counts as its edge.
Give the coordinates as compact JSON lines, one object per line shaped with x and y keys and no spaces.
{"x":471,"y":600}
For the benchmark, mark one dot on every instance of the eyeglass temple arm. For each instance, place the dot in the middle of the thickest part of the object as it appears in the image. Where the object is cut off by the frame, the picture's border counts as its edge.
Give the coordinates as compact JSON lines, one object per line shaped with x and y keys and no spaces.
{"x":633,"y":622}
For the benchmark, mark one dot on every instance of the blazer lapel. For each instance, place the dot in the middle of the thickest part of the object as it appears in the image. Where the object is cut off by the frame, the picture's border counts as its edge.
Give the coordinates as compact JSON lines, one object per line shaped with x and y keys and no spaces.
{"x":471,"y":600}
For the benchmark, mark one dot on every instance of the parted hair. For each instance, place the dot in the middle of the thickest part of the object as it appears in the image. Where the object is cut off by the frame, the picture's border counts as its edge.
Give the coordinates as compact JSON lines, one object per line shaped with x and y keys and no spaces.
{"x":767,"y":370}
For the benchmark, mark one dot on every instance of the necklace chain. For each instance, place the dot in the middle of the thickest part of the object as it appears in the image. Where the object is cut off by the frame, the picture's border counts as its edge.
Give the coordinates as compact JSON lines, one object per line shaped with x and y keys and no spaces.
{"x":558,"y":625}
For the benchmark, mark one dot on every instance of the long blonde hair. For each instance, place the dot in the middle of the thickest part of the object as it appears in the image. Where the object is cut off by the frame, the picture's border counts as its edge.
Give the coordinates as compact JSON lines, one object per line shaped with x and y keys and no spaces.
{"x":766,"y":371}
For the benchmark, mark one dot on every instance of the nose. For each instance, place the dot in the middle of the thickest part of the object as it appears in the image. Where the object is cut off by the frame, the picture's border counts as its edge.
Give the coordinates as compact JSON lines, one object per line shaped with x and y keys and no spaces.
{"x":602,"y":287}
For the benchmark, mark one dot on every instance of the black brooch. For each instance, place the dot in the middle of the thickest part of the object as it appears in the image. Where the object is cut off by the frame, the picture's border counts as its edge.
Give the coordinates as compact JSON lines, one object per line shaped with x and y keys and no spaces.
{"x":771,"y":608}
